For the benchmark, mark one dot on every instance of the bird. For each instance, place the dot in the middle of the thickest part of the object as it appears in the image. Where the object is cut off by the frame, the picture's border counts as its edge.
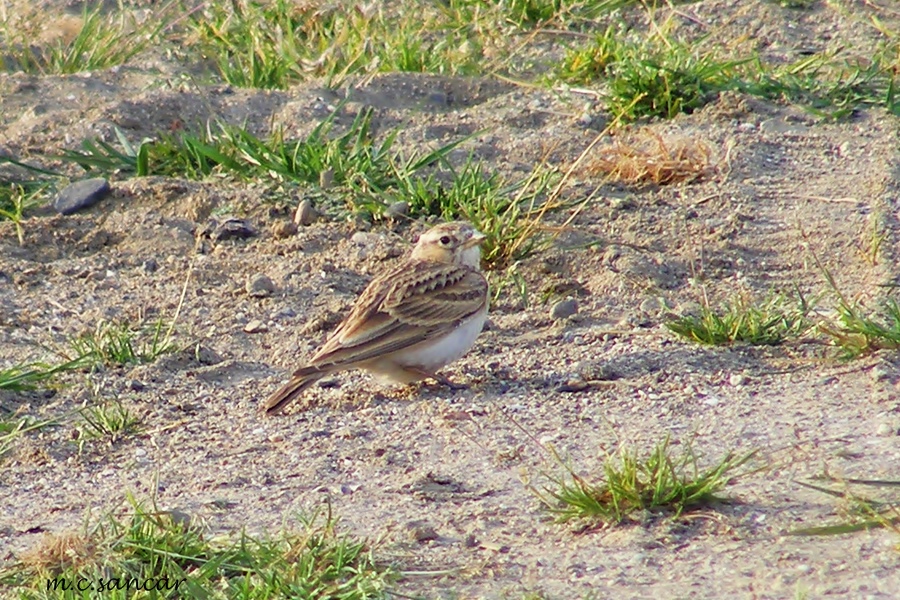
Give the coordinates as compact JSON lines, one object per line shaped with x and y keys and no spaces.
{"x":411,"y":320}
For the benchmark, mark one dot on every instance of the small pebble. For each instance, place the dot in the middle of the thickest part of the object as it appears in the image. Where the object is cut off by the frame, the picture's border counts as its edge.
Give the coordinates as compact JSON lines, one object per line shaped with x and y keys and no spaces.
{"x":397,"y":209}
{"x":233,"y":229}
{"x":285,"y":312}
{"x":283,"y":229}
{"x":420,"y":531}
{"x":260,"y":286}
{"x":651,"y":306}
{"x":81,"y":194}
{"x":882,"y":372}
{"x":255,"y":326}
{"x":885,"y":429}
{"x":439,"y":98}
{"x":326,"y":178}
{"x":206,"y":356}
{"x":135,"y":385}
{"x":305,"y":214}
{"x":179,"y":518}
{"x":626,"y":203}
{"x":597,"y":371}
{"x":363,"y":238}
{"x":738,"y":379}
{"x":150,"y":265}
{"x":564,"y":309}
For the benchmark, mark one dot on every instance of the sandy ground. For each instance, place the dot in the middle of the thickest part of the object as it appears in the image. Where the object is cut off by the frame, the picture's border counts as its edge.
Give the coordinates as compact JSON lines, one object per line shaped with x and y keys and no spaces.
{"x":394,"y":461}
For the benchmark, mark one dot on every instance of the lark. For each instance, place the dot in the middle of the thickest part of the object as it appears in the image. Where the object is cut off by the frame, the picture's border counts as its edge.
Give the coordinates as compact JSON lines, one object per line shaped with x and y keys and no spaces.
{"x":412,"y":320}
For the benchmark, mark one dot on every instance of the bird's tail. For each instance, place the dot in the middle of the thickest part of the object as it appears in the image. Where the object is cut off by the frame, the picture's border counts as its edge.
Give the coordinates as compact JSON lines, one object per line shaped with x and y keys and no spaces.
{"x":300,"y":381}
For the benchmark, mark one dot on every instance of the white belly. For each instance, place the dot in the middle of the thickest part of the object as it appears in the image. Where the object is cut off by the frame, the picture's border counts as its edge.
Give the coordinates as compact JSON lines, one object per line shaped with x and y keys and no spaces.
{"x":437,"y":353}
{"x":432,"y":355}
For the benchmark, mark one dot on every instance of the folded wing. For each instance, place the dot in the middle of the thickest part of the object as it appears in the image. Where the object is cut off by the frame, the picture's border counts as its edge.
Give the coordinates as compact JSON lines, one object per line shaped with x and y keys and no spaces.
{"x":413,"y":303}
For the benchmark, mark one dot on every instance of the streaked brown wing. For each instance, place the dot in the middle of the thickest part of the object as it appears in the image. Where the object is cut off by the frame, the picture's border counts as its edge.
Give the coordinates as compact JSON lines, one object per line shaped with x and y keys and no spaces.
{"x":409,"y":304}
{"x":442,"y":297}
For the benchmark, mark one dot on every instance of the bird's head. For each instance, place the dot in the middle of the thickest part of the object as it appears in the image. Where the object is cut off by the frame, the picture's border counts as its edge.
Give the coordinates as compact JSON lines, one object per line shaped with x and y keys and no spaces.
{"x":456,"y":243}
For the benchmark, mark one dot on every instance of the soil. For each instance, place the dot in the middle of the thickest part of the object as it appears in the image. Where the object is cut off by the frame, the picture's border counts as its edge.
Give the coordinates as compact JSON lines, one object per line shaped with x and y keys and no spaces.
{"x":394,"y":461}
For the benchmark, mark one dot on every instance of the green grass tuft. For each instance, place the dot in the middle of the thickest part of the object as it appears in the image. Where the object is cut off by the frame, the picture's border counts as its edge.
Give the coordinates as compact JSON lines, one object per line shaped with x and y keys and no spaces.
{"x":16,"y":200}
{"x":764,"y":323}
{"x":108,"y":421}
{"x":827,"y":84}
{"x":631,"y":484}
{"x":170,"y":549}
{"x":657,"y":76}
{"x":351,"y":159}
{"x":856,"y":333}
{"x":14,"y":427}
{"x":661,"y":76}
{"x":275,"y":44}
{"x":858,"y":512}
{"x":28,"y":376}
{"x":119,"y":344}
{"x":103,"y":39}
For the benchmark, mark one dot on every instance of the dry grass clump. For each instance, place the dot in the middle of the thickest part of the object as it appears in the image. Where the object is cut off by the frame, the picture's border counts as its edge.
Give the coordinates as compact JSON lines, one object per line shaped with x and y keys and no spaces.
{"x":645,"y":157}
{"x":60,"y":553}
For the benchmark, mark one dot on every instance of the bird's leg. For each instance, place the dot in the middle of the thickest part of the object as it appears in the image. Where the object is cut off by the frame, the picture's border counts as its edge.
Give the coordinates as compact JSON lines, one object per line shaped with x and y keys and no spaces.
{"x":437,"y":377}
{"x":444,"y":381}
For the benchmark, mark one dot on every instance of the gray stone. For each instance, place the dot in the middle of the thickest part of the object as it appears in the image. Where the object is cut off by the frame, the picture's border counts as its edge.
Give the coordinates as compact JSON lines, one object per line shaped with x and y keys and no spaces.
{"x":233,"y":229}
{"x":886,"y":429}
{"x":882,"y":372}
{"x":421,"y":531}
{"x":597,"y":371}
{"x":326,"y":179}
{"x":150,"y":265}
{"x":260,"y":286}
{"x":306,"y":213}
{"x":283,"y":229}
{"x":440,"y":98}
{"x":206,"y":356}
{"x":564,"y":309}
{"x":651,"y":306}
{"x":738,"y":379}
{"x":364,"y":238}
{"x":255,"y":326}
{"x":397,"y":209}
{"x":285,"y":312}
{"x":624,"y":204}
{"x":81,"y":194}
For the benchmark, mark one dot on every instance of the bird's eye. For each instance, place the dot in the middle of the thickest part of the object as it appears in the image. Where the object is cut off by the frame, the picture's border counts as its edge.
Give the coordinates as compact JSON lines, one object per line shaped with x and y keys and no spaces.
{"x":445,"y":240}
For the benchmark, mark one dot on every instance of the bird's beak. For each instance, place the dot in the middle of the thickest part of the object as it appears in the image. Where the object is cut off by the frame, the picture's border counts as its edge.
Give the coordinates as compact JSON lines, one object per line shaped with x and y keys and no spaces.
{"x":475,"y":240}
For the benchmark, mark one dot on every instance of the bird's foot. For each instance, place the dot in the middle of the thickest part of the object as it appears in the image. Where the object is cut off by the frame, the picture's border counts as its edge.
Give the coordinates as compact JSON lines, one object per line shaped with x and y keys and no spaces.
{"x":456,"y":387}
{"x":440,"y":379}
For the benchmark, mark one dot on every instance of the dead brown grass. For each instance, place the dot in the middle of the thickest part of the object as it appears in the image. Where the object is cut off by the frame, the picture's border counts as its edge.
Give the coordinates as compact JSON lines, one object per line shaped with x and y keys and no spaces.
{"x":645,"y":157}
{"x":58,"y":553}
